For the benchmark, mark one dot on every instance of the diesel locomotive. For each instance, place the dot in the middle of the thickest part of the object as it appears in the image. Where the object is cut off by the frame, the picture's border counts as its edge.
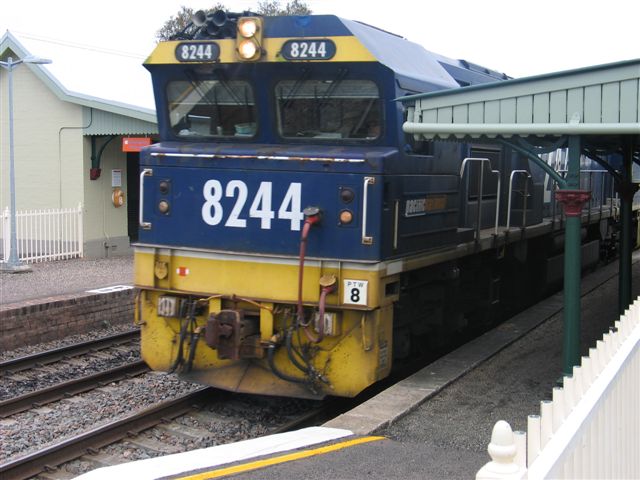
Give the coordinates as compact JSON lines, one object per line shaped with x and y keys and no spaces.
{"x":293,"y":240}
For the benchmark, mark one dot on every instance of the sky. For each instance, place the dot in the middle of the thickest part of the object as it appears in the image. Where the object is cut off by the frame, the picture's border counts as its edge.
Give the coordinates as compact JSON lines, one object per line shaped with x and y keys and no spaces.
{"x":516,"y":37}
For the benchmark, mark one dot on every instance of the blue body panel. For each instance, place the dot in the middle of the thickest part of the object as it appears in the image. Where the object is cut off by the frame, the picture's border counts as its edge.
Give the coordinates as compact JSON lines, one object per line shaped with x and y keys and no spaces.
{"x":305,"y":26}
{"x":185,"y":225}
{"x":208,"y":181}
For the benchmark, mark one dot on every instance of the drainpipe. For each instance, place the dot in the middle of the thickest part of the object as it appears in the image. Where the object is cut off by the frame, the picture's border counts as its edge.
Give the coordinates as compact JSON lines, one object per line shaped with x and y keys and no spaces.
{"x":95,"y":171}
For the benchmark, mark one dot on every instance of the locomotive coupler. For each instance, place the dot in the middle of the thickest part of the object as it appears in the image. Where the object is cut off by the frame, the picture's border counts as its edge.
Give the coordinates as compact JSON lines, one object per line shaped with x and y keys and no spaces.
{"x":234,"y":335}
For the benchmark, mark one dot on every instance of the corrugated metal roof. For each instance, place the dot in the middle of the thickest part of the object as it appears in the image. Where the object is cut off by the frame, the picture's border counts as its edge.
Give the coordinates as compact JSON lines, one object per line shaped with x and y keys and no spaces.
{"x":603,"y":99}
{"x":107,"y":123}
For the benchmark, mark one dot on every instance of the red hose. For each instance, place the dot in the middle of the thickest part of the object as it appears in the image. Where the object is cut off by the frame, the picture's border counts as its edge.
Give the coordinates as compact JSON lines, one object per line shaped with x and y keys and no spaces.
{"x":321,"y":306}
{"x":308,"y":223}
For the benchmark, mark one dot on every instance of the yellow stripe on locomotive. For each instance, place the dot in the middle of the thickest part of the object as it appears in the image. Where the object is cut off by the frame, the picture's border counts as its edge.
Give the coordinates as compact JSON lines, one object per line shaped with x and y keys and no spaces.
{"x":347,"y":49}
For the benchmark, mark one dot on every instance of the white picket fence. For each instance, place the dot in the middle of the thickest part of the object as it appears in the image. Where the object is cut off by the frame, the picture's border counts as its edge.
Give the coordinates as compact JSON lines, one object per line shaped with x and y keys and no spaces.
{"x":42,"y":235}
{"x":591,"y":428}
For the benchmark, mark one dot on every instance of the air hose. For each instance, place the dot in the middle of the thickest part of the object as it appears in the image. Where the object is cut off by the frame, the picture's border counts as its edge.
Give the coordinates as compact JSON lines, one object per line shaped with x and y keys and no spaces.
{"x":283,"y":376}
{"x":312,"y":216}
{"x":292,"y":354}
{"x":189,"y":320}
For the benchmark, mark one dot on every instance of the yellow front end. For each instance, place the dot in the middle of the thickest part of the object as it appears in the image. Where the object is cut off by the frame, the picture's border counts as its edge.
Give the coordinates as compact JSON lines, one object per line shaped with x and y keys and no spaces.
{"x":354,"y":353}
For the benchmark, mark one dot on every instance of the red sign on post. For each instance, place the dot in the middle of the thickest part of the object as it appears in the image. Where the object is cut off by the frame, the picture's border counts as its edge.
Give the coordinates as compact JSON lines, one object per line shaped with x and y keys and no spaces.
{"x":134,"y":144}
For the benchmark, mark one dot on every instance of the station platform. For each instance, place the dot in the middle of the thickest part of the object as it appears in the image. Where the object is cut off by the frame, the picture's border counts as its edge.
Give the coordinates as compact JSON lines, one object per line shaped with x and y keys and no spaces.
{"x":65,"y":277}
{"x":435,"y":424}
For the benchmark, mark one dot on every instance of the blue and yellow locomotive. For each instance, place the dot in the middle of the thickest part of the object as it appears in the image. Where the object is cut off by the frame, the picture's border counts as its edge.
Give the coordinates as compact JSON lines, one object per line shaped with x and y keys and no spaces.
{"x":293,"y":240}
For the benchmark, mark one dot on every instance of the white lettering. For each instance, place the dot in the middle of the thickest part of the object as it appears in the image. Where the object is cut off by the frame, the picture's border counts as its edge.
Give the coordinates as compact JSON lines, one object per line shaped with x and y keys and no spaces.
{"x":261,"y":207}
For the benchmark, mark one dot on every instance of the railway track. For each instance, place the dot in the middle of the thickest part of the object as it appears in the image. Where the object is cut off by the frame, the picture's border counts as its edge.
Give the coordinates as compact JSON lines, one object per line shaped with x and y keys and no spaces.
{"x":202,"y":418}
{"x":48,"y":458}
{"x":64,"y":353}
{"x":88,"y":444}
{"x":72,"y":387}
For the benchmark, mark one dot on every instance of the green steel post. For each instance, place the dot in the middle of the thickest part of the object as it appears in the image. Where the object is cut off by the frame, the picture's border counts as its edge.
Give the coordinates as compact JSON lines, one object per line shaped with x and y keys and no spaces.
{"x":627,"y":190}
{"x":571,"y":343}
{"x":571,"y":339}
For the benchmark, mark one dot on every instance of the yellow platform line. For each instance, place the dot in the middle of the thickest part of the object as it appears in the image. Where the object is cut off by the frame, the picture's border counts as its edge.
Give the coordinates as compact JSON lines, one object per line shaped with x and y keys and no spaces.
{"x":221,"y":472}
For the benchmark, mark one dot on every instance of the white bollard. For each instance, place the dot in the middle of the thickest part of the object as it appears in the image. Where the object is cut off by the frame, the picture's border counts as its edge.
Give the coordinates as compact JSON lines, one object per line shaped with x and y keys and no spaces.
{"x":546,"y":422}
{"x":520,"y":440}
{"x":558,"y":408}
{"x":578,"y":387}
{"x":596,"y":366}
{"x":533,"y":438}
{"x":587,"y":373}
{"x":502,"y":451}
{"x":569,"y":394}
{"x":602,"y":353}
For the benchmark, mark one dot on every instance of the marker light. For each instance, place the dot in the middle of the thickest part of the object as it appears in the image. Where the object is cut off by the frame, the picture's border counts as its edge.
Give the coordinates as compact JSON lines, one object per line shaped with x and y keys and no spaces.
{"x":163,"y":206}
{"x":247,"y":49}
{"x":347,"y":195}
{"x":164,"y":187}
{"x":346,"y":217}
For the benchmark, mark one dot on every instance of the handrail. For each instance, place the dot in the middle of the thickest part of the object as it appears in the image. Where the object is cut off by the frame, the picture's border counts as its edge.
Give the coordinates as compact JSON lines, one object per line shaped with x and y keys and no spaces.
{"x":480,"y":189}
{"x":366,"y":240}
{"x":147,"y":172}
{"x":524,"y":208}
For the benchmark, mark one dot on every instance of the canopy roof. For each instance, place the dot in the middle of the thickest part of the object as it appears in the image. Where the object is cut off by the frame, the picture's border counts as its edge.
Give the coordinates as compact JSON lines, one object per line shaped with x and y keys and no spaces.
{"x":596,"y":102}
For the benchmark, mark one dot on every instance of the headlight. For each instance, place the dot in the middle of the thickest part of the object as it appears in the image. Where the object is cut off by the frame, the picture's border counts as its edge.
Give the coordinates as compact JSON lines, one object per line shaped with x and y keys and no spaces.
{"x":247,"y":49}
{"x":248,"y":28}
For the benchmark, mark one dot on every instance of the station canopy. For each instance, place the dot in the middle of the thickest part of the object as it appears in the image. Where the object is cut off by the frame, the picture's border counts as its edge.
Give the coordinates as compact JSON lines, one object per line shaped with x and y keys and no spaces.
{"x":601,"y":104}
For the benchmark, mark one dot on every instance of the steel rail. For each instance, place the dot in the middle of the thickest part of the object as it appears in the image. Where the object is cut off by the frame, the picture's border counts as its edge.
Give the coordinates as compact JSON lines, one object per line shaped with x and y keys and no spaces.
{"x":57,"y":354}
{"x":53,"y":393}
{"x":51,"y":456}
{"x":329,"y":409}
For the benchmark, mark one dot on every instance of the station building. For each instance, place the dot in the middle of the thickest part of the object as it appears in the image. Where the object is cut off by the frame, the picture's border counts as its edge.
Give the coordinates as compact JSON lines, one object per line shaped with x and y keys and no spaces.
{"x":78,"y":124}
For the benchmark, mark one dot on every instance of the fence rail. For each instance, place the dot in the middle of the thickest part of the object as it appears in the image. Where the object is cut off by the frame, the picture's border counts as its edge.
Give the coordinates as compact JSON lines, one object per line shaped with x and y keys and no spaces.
{"x":42,"y":235}
{"x":590,"y":428}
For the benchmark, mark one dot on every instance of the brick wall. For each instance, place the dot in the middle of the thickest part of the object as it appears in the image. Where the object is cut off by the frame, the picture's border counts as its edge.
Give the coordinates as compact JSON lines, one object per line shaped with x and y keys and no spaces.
{"x":46,"y":319}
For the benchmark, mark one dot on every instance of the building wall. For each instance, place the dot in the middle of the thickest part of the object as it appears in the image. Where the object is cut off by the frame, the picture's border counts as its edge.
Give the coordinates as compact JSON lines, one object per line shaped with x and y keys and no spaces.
{"x":105,"y":225}
{"x":52,"y":140}
{"x":47,"y":144}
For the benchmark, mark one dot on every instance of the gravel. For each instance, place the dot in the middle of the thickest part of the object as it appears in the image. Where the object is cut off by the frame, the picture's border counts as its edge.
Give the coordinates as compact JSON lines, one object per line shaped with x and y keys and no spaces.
{"x":36,"y":379}
{"x":63,"y":342}
{"x":229,"y":418}
{"x":226,"y":418}
{"x":30,"y":431}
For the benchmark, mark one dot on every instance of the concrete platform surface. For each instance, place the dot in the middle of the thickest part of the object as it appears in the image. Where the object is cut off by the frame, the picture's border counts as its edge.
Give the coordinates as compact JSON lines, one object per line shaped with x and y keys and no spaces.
{"x":49,"y":279}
